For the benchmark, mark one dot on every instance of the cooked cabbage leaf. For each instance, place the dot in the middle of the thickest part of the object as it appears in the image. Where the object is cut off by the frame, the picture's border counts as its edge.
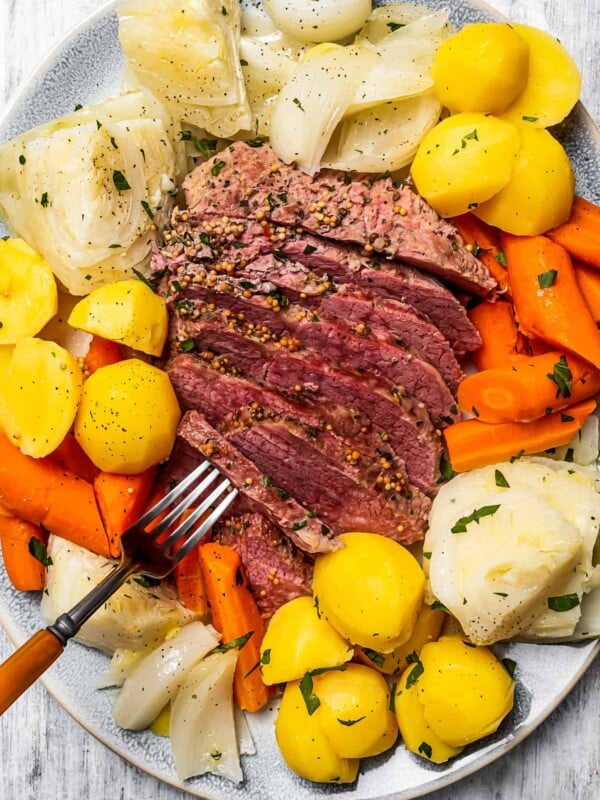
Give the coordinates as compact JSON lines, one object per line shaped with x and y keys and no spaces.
{"x":136,"y":617}
{"x":187,"y":53}
{"x":89,"y":190}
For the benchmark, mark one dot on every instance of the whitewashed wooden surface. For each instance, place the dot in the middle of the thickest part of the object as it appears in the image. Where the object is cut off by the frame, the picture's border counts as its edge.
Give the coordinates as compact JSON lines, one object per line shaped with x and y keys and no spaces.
{"x":45,"y":755}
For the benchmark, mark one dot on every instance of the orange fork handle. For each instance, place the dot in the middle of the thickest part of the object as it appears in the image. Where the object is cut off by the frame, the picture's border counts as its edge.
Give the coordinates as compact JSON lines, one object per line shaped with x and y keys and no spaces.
{"x":26,"y":665}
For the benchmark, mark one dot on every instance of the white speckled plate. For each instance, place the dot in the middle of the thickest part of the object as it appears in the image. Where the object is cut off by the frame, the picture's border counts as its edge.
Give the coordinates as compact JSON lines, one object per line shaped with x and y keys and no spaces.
{"x":85,"y":67}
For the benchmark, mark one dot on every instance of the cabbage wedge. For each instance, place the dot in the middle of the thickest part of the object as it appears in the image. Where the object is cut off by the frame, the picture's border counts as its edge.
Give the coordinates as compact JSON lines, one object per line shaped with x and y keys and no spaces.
{"x":136,"y":617}
{"x":87,"y":191}
{"x":187,"y":53}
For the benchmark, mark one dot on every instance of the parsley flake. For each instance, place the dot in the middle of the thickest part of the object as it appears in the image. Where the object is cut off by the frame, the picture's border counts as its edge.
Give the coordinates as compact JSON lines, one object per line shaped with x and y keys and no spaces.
{"x":477,"y":514}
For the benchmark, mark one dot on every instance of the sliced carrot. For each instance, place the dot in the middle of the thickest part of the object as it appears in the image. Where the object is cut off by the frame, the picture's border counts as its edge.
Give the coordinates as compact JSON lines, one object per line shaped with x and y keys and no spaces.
{"x":499,"y":334}
{"x":580,"y":235}
{"x":235,"y":614}
{"x":20,"y":541}
{"x":472,"y":444}
{"x":529,"y":389}
{"x":190,"y":583}
{"x":41,"y":492}
{"x":102,"y":353}
{"x":122,"y":499}
{"x":588,"y":279}
{"x":547,"y":298}
{"x":485,"y":241}
{"x":71,"y":457}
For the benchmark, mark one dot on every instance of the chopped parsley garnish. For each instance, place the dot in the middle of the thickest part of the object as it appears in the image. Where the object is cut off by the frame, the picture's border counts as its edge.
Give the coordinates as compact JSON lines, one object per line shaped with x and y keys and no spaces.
{"x":239,"y":245}
{"x":140,"y":276}
{"x":266,"y":656}
{"x":187,"y":346}
{"x":563,"y":602}
{"x":562,"y":378}
{"x":267,"y":481}
{"x":510,"y":666}
{"x":39,"y":551}
{"x":247,"y":285}
{"x":254,"y":142}
{"x":529,"y":119}
{"x":415,"y":673}
{"x":216,"y":168}
{"x":279,"y":296}
{"x":547,"y":279}
{"x":297,"y":526}
{"x":566,"y":418}
{"x":425,"y":749}
{"x":501,"y":258}
{"x":311,"y":701}
{"x":297,"y":102}
{"x":239,"y":642}
{"x":146,"y":581}
{"x":437,"y":606}
{"x":519,"y":455}
{"x":477,"y":514}
{"x":446,"y":471}
{"x":501,"y":594}
{"x":395,"y":26}
{"x":44,"y":200}
{"x":427,"y":554}
{"x":309,"y":249}
{"x":147,"y":209}
{"x":120,"y":181}
{"x":350,"y":722}
{"x":473,"y":136}
{"x":204,"y":146}
{"x":501,"y":480}
{"x":316,"y":605}
{"x":243,"y":62}
{"x":374,"y":656}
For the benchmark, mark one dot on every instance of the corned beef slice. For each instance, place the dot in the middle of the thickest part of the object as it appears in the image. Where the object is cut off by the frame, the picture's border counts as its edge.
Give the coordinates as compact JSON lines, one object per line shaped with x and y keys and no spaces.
{"x":304,"y":529}
{"x":300,"y":375}
{"x":276,"y":571}
{"x":243,"y":181}
{"x":295,"y":328}
{"x":234,"y":247}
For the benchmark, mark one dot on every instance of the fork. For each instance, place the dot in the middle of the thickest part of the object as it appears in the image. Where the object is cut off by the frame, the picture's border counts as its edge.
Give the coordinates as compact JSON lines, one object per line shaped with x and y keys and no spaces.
{"x":153,"y":552}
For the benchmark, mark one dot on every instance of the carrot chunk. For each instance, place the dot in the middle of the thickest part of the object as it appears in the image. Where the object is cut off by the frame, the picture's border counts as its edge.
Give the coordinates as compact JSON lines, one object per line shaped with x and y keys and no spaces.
{"x":122,"y":499}
{"x":580,"y":234}
{"x":23,"y":551}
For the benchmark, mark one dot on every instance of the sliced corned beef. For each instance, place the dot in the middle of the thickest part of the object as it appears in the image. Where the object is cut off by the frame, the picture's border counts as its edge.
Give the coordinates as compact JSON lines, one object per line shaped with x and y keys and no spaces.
{"x":361,"y":349}
{"x":304,"y":529}
{"x":243,"y":181}
{"x":276,"y":571}
{"x":303,"y":375}
{"x":234,"y":247}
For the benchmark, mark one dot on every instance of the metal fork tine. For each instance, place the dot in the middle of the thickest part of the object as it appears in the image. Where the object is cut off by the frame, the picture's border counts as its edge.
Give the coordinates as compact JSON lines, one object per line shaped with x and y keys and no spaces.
{"x":169,"y":498}
{"x":206,"y":525}
{"x":202,"y":509}
{"x":187,"y":501}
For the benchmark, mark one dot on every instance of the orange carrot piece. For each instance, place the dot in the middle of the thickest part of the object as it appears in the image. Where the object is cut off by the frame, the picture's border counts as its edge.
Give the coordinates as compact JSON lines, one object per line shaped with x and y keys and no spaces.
{"x":235,"y":615}
{"x":547,"y":298}
{"x":41,"y":492}
{"x":485,"y":241}
{"x":26,"y":572}
{"x":102,"y":353}
{"x":529,"y":389}
{"x":499,"y":334}
{"x":71,"y":457}
{"x":122,"y":499}
{"x":189,"y":580}
{"x":580,"y":234}
{"x":472,"y":444}
{"x":588,"y":279}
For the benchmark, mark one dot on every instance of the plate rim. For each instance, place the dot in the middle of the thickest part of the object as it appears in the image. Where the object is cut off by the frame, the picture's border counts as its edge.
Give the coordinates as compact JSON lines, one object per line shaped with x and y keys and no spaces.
{"x":15,"y":633}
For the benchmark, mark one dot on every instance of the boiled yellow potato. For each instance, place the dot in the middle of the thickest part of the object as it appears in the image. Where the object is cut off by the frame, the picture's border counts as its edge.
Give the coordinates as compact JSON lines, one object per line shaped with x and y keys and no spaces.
{"x":127,"y":312}
{"x":128,"y":417}
{"x":540,"y":192}
{"x":427,"y":629}
{"x":40,"y":393}
{"x":7,"y":423}
{"x":553,"y":81}
{"x":418,"y":737}
{"x":465,"y":160}
{"x":298,"y":640}
{"x":370,"y":590}
{"x":483,"y":67}
{"x":355,"y":711}
{"x":465,"y":691}
{"x":28,"y":295}
{"x":303,"y":744}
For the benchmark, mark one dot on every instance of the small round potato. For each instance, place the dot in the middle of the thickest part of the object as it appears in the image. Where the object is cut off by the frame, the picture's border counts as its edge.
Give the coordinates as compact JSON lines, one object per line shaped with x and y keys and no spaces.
{"x":483,"y":67}
{"x":371,"y":590}
{"x":298,"y":640}
{"x":540,"y":192}
{"x":464,"y":161}
{"x":128,"y":417}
